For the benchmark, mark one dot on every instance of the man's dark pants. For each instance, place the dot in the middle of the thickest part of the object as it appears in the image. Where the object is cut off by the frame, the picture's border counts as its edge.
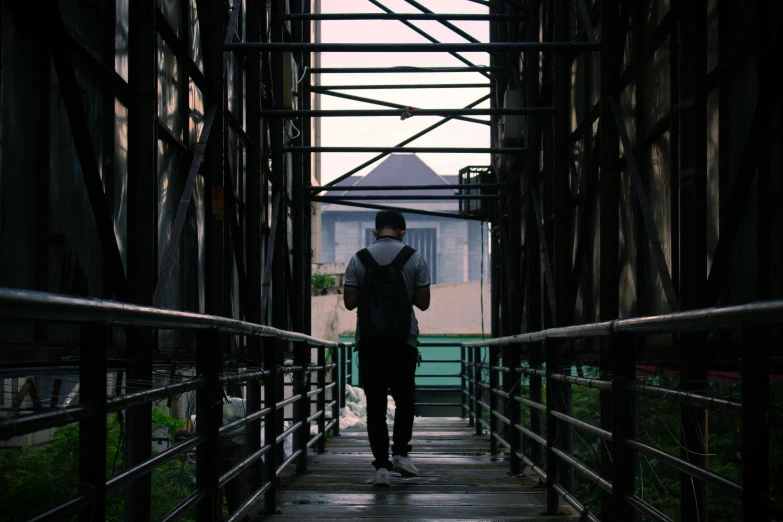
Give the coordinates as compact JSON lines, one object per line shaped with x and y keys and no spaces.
{"x":388,"y":365}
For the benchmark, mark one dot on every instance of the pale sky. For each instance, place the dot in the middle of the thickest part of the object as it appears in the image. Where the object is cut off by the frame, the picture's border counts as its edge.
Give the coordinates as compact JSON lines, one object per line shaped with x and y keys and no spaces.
{"x":389,"y":131}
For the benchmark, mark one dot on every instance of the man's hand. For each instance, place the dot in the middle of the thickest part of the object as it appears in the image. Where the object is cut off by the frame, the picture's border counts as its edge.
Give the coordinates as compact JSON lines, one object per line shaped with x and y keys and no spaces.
{"x":351,"y":298}
{"x":421,"y":299}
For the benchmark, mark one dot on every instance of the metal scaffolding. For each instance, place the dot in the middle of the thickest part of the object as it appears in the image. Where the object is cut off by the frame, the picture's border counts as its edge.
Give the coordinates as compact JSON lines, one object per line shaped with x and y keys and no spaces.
{"x":645,"y":182}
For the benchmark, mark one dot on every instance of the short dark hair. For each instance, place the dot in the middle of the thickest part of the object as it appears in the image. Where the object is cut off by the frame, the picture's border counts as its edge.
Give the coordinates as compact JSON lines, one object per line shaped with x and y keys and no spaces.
{"x":389,"y":219}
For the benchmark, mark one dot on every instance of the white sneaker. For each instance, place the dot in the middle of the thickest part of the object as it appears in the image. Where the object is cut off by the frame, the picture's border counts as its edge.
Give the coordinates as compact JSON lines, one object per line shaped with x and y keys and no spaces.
{"x":404,"y":466}
{"x":382,"y":478}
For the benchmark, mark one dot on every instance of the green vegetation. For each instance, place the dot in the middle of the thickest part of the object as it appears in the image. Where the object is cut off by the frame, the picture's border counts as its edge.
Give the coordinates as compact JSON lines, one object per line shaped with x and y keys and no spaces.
{"x":658,"y":425}
{"x":33,"y":478}
{"x":318,"y":281}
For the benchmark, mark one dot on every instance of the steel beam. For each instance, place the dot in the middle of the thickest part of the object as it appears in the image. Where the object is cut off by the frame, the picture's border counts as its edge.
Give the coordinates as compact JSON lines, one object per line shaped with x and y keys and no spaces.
{"x":423,"y":150}
{"x":402,"y":69}
{"x":401,"y":144}
{"x":295,"y":113}
{"x":376,"y":188}
{"x":426,"y":35}
{"x":389,"y":104}
{"x":82,"y":142}
{"x":402,"y":197}
{"x":254,"y":47}
{"x":142,"y":237}
{"x":324,"y":88}
{"x":326,"y":199}
{"x":692,"y":31}
{"x":458,"y":17}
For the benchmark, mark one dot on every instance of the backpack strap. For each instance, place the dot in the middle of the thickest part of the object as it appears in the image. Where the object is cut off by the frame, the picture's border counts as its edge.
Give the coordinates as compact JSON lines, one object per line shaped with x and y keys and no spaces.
{"x":366,"y":259}
{"x":403,"y":257}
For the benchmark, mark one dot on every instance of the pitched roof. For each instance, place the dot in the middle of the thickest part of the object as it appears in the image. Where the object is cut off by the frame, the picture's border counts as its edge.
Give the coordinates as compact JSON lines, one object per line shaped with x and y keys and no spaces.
{"x":398,"y":170}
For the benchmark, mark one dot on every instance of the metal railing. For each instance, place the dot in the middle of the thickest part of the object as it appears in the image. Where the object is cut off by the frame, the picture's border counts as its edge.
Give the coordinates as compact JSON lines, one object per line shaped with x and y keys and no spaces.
{"x":98,"y":318}
{"x":551,"y":450}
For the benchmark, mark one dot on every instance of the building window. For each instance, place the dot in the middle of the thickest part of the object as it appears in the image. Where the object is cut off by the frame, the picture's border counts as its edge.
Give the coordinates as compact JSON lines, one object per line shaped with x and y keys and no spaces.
{"x":422,"y":240}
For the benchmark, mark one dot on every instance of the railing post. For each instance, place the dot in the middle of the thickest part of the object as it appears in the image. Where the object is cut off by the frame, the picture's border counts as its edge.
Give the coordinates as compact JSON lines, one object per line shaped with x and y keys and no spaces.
{"x":471,"y":388}
{"x":477,"y":388}
{"x":536,"y":395}
{"x":209,"y":417}
{"x":270,"y":424}
{"x":606,"y":404}
{"x":302,"y":406}
{"x":552,"y":461}
{"x":755,"y":432}
{"x":623,"y":360}
{"x":348,"y":369}
{"x":321,"y":400}
{"x":463,"y":366}
{"x":511,"y":360}
{"x":336,"y":390}
{"x":95,"y":342}
{"x":494,"y":358}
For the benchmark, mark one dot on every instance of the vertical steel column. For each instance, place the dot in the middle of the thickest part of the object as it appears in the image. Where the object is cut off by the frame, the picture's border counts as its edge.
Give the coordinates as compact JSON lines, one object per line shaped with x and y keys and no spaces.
{"x":142,"y":237}
{"x":553,"y":394}
{"x":693,"y":243}
{"x":213,"y":20}
{"x":300,"y":264}
{"x":755,"y":430}
{"x":95,"y":344}
{"x":533,"y":298}
{"x":270,"y":425}
{"x":563,"y":220}
{"x":209,"y":417}
{"x":609,"y":275}
{"x":623,"y":355}
{"x":477,"y":388}
{"x":254,"y":226}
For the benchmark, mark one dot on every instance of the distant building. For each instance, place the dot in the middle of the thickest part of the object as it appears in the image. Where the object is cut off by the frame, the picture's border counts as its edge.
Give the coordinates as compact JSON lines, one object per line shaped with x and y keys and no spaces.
{"x":452,"y":247}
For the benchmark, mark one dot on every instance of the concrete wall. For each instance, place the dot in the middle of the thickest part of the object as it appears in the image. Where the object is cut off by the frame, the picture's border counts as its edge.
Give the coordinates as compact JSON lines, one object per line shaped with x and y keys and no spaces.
{"x":455,"y":310}
{"x":458,"y":242}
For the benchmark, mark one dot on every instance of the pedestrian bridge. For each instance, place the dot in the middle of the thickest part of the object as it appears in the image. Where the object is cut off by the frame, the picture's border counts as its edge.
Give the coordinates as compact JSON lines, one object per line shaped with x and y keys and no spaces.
{"x":509,"y":456}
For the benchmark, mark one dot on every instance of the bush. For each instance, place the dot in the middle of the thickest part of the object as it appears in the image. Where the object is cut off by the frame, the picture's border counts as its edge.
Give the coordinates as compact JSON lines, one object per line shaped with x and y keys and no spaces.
{"x":318,"y":281}
{"x":32,"y":478}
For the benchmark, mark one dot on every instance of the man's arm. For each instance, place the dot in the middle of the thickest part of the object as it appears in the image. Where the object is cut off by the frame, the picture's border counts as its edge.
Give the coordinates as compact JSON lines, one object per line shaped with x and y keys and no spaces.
{"x":421,"y":288}
{"x":351,"y":285}
{"x":421,"y":299}
{"x":351,"y":297}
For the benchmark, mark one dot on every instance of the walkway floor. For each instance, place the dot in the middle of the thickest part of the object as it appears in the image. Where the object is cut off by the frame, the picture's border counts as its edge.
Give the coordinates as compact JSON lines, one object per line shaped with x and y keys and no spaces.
{"x":459,"y":481}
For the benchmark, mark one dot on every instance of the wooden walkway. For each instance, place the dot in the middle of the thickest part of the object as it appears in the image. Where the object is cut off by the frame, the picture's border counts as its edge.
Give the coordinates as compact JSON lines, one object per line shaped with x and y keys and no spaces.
{"x":459,"y":481}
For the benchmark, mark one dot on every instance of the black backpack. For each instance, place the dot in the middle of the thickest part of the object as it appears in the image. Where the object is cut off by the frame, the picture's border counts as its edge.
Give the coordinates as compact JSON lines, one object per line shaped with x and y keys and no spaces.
{"x":384,"y":304}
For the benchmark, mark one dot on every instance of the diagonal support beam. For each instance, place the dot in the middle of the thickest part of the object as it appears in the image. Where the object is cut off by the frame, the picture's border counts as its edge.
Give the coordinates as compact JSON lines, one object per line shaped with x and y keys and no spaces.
{"x":278,"y":214}
{"x":636,"y":177}
{"x":80,"y":131}
{"x":444,"y":23}
{"x":427,"y":36}
{"x":184,"y":203}
{"x":740,"y":194}
{"x":172,"y":246}
{"x":389,"y":104}
{"x":402,"y":144}
{"x":545,"y":261}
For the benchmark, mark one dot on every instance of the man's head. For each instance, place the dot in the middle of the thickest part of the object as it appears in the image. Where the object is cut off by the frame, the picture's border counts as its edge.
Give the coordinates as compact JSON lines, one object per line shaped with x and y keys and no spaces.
{"x":389,"y":223}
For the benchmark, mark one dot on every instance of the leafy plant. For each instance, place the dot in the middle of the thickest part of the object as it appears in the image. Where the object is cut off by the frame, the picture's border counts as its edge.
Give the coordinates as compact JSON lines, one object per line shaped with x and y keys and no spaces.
{"x":318,"y":281}
{"x":32,"y":478}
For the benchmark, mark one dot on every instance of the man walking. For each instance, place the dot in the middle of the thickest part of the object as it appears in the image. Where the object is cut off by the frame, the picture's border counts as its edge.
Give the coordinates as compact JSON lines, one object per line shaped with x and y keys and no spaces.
{"x":384,"y":281}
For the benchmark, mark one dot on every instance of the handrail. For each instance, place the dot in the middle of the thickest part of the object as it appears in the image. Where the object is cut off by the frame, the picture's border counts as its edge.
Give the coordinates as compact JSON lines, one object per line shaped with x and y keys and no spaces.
{"x":691,"y":321}
{"x":29,"y":304}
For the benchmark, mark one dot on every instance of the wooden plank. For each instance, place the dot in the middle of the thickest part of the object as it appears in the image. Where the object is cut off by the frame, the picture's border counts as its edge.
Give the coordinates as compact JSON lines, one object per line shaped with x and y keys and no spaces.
{"x":459,"y":481}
